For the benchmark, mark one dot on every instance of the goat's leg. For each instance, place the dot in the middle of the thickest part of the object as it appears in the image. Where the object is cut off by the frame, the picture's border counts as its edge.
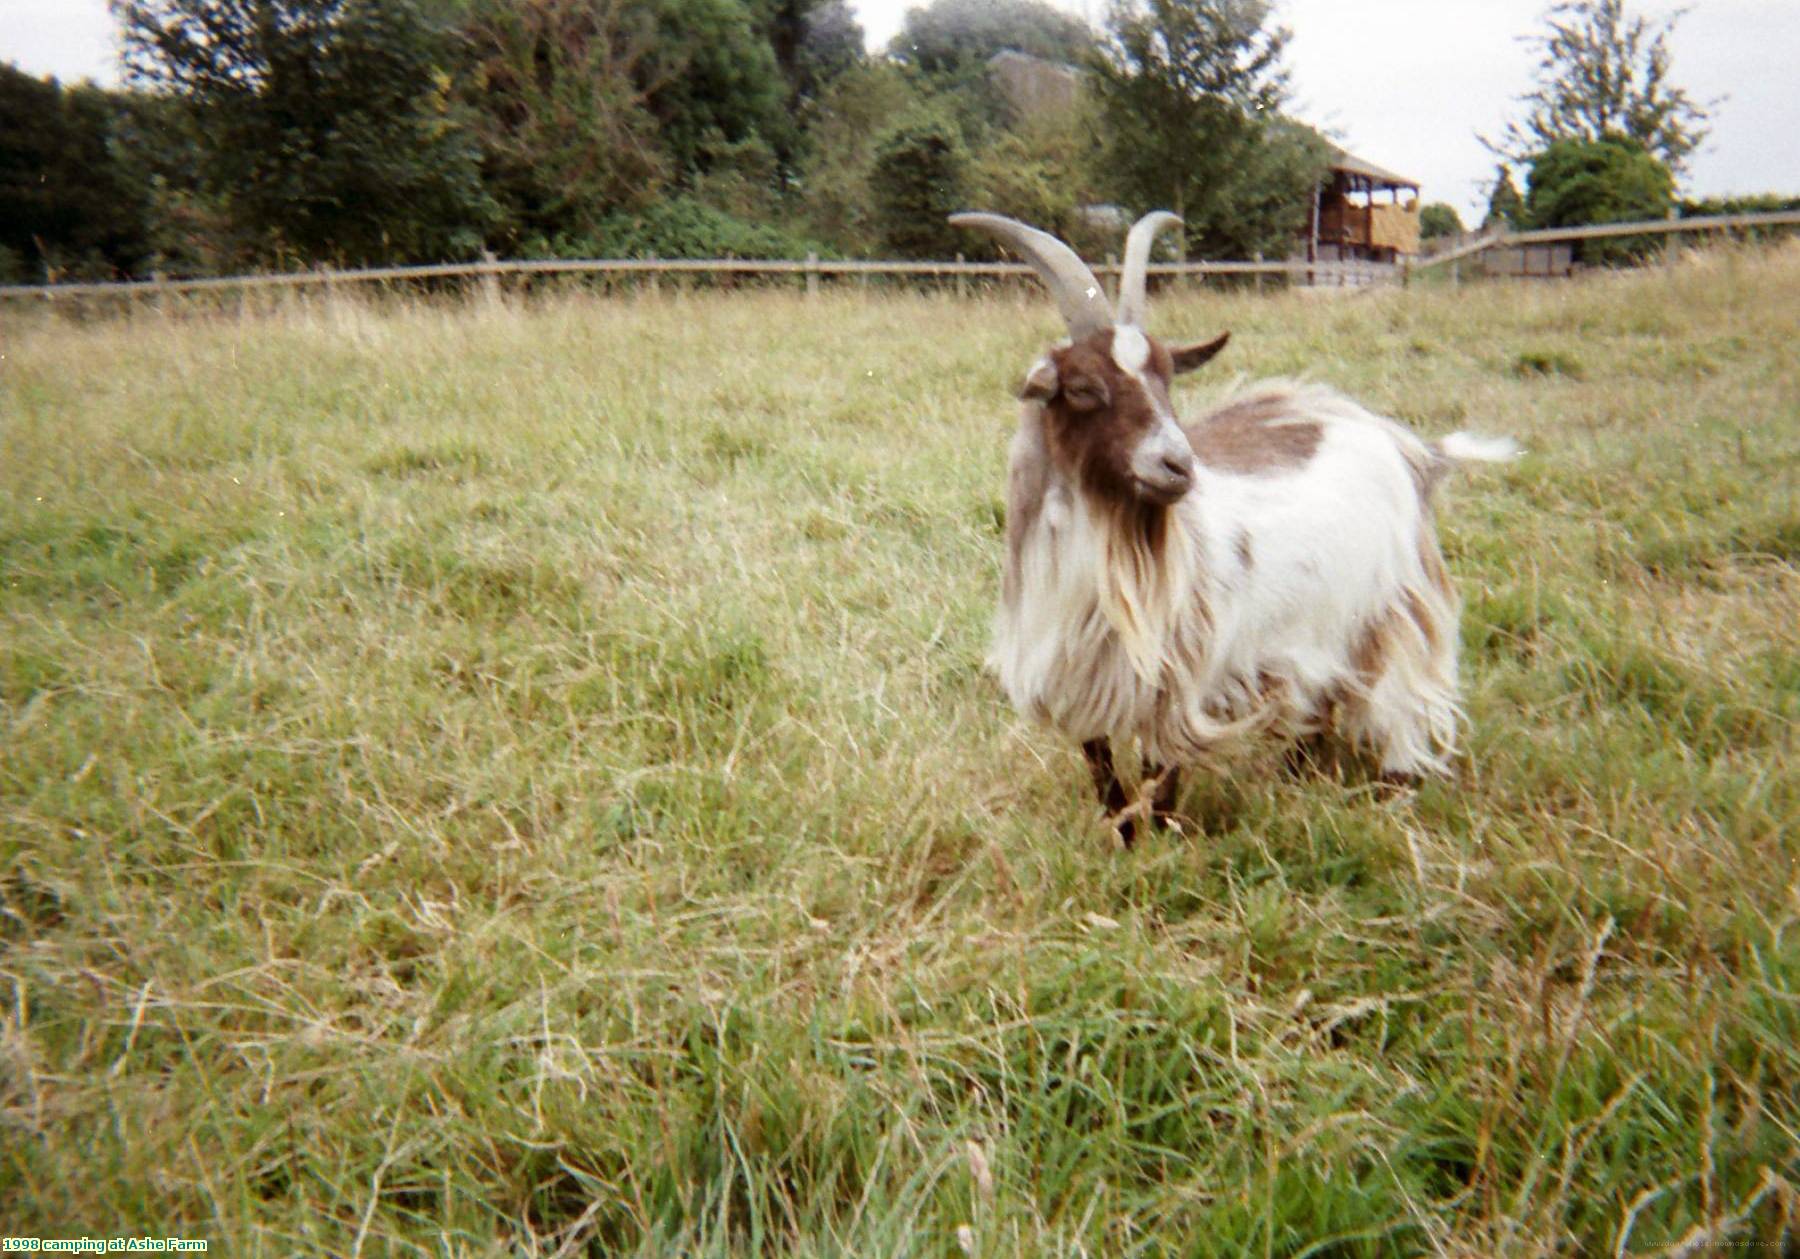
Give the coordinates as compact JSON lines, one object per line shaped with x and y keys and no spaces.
{"x":1308,"y":755}
{"x":1162,"y":803}
{"x":1110,"y":790}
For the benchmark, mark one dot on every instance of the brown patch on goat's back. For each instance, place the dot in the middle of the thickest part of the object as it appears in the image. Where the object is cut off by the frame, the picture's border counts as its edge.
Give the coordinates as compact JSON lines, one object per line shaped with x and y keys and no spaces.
{"x":1245,"y":556}
{"x":1255,"y":434}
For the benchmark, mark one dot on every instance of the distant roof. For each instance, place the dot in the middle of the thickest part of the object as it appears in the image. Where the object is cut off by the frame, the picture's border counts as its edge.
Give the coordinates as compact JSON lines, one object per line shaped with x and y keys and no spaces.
{"x":1351,"y":164}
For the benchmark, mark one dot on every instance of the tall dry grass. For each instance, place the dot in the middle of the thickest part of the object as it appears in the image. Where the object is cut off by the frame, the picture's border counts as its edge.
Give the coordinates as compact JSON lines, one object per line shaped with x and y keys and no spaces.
{"x":483,"y":779}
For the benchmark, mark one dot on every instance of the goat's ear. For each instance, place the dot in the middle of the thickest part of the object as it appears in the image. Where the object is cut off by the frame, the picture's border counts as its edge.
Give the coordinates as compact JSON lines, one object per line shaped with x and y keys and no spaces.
{"x":1188,"y":357}
{"x":1040,"y":382}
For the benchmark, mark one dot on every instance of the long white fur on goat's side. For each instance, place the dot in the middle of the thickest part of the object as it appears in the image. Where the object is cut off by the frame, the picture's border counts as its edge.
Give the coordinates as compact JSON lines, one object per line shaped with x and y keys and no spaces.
{"x":1255,"y":615}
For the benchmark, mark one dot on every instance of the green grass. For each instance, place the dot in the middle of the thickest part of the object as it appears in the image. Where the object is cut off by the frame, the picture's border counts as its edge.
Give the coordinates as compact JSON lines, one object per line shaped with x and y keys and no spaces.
{"x":522,"y":779}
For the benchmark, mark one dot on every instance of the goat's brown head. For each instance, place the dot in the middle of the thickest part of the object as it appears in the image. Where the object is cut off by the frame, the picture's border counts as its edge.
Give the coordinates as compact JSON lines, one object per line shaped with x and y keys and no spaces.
{"x":1104,"y":397}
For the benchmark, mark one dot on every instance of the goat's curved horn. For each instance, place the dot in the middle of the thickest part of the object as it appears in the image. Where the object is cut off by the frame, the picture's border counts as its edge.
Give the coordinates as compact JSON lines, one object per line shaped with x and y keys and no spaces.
{"x":1133,"y":306}
{"x":1078,"y":294}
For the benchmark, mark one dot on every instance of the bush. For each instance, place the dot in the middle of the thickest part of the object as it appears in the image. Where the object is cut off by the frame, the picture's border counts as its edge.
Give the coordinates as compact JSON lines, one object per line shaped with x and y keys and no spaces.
{"x":1759,"y":203}
{"x":682,"y":227}
{"x":920,"y":177}
{"x":1756,"y":203}
{"x":1439,"y":219}
{"x":1574,"y":183}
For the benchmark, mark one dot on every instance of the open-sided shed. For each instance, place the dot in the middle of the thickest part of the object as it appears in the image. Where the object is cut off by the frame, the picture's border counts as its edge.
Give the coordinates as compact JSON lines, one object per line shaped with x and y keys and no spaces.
{"x":1358,"y":213}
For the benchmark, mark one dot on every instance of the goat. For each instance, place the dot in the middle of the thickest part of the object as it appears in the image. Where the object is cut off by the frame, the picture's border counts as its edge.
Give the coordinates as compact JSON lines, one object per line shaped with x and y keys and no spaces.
{"x":1269,"y":568}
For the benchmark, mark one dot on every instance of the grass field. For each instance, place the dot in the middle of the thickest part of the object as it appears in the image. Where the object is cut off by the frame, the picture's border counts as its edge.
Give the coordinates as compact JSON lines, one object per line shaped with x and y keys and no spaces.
{"x":480,"y":779}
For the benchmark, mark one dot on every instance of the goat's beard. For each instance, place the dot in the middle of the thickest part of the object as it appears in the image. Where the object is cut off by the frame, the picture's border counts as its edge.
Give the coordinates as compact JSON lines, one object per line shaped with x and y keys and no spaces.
{"x":1146,"y":582}
{"x":1150,"y":594}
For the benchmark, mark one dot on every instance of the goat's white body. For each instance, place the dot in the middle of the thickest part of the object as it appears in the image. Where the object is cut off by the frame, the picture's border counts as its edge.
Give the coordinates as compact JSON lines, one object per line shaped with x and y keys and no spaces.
{"x":1295,"y":598}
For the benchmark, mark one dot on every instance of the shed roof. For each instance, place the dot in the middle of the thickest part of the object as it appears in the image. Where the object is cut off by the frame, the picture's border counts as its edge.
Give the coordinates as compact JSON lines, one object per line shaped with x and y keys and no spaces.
{"x":1350,"y":164}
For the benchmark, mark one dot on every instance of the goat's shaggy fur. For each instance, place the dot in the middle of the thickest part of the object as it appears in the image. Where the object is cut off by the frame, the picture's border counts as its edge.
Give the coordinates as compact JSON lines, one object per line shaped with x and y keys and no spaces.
{"x":1304,"y":597}
{"x":1271,"y":567}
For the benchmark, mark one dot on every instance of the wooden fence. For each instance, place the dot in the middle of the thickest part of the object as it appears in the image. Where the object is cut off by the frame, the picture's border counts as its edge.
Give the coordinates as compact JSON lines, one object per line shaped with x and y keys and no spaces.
{"x":811,"y":269}
{"x":1703,"y":225}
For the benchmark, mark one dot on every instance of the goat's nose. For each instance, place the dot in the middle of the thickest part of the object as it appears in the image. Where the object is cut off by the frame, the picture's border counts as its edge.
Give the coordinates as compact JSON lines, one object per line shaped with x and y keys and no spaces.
{"x":1165,"y":470}
{"x":1178,"y":466}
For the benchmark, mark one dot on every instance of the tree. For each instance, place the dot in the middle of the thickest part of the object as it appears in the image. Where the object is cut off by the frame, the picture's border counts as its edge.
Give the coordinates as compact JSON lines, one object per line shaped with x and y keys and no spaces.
{"x":919,"y":179}
{"x":729,"y":88}
{"x":590,"y":110}
{"x":949,"y":37}
{"x":189,"y":231}
{"x":1612,"y":180}
{"x":1506,"y":208}
{"x":1042,"y":171}
{"x":1602,"y":73}
{"x":813,"y":41}
{"x":1189,"y":95}
{"x":831,"y":46}
{"x":559,"y":92}
{"x":1439,"y":219}
{"x":67,"y":203}
{"x":326,"y":126}
{"x":844,"y":128}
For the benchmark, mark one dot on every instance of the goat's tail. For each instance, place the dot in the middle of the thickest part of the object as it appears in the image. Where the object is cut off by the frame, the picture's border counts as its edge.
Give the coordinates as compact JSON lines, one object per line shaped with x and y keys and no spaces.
{"x":1446,"y":453}
{"x":1474,"y":448}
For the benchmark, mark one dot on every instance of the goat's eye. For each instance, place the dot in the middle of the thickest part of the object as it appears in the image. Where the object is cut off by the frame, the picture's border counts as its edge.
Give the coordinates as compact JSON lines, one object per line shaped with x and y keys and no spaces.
{"x":1085,"y":395}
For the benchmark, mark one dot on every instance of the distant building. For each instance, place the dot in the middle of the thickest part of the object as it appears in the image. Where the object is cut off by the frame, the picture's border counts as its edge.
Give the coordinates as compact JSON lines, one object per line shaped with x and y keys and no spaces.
{"x":1358,"y":213}
{"x":1104,"y":216}
{"x":1351,"y":222}
{"x":1032,"y":86}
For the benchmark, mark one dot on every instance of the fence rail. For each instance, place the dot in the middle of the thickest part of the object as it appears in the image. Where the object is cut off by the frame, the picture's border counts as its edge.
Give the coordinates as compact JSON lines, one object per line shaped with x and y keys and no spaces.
{"x":812,"y":268}
{"x":808,"y":267}
{"x":1602,"y":231}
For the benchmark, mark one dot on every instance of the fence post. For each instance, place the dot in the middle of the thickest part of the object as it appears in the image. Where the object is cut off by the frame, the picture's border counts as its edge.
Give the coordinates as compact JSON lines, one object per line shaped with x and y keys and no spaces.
{"x":655,"y":278}
{"x":1455,"y":272}
{"x":1112,"y":266}
{"x":1259,"y":275}
{"x":812,"y":273}
{"x":1670,"y":253}
{"x":490,"y":279}
{"x":962,"y":281}
{"x":162,"y":295}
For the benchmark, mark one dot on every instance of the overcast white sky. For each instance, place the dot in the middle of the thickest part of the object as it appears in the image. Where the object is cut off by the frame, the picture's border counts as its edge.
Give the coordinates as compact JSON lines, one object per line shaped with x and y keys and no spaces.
{"x":1403,"y":83}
